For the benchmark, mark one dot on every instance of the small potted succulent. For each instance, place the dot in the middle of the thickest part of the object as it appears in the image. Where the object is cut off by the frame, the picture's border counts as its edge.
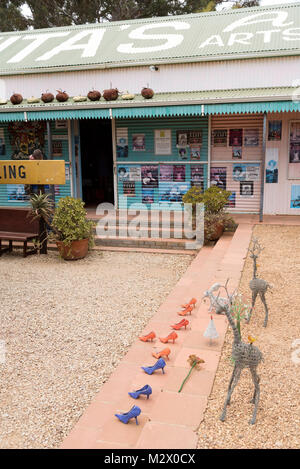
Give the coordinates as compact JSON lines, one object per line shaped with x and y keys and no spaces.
{"x":73,"y":233}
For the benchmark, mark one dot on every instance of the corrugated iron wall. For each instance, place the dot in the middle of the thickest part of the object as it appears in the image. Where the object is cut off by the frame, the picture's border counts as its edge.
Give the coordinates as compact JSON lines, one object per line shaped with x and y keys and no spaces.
{"x":13,"y":194}
{"x":148,"y":157}
{"x":242,"y":200}
{"x":218,"y":75}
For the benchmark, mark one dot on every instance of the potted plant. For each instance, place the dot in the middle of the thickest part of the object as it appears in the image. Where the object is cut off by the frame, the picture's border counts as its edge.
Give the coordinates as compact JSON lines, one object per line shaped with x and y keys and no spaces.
{"x":216,"y":219}
{"x":42,"y":209}
{"x":73,"y":233}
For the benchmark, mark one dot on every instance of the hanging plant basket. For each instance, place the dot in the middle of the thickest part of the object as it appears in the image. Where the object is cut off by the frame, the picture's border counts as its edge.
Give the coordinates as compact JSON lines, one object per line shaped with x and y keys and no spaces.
{"x":94,"y":95}
{"x":47,"y":97}
{"x":62,"y":96}
{"x":111,"y":94}
{"x":147,"y":93}
{"x":16,"y":98}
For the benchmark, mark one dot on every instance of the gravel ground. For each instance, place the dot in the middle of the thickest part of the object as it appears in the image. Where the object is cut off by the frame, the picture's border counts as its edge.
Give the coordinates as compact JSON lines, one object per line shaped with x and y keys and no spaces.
{"x":66,"y":326}
{"x":278,"y":418}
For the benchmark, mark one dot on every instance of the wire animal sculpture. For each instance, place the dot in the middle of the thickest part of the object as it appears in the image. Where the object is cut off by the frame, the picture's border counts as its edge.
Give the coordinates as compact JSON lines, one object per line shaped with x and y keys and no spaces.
{"x":258,"y":286}
{"x":217,"y":306}
{"x":244,"y":356}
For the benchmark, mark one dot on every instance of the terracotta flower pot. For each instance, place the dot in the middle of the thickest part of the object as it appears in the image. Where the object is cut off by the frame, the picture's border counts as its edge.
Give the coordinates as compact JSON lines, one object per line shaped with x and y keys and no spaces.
{"x":73,"y":251}
{"x":214,"y":234}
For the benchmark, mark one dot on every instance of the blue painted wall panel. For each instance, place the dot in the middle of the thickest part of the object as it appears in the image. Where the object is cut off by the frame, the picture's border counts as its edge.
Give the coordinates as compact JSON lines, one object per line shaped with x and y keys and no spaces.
{"x":11,"y":195}
{"x":149,"y":158}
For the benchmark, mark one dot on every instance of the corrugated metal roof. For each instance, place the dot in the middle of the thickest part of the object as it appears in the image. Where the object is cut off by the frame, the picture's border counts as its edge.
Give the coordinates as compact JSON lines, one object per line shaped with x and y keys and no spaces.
{"x":239,"y":33}
{"x":159,"y":99}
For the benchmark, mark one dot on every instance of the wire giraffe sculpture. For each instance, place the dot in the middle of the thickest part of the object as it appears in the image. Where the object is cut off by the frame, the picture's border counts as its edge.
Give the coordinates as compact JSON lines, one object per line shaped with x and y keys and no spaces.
{"x":258,"y":286}
{"x":244,"y":356}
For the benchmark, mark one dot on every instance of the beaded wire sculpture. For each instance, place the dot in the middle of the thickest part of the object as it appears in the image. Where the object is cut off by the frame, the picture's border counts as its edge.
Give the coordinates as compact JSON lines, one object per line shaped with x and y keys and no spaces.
{"x":258,"y":286}
{"x":244,"y":356}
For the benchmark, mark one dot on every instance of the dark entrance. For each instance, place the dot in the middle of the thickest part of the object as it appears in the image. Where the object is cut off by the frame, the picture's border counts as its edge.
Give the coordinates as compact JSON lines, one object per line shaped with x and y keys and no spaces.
{"x":96,"y":161}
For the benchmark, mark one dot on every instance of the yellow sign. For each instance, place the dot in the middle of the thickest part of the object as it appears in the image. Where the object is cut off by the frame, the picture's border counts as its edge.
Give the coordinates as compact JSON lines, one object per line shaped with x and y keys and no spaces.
{"x":32,"y":172}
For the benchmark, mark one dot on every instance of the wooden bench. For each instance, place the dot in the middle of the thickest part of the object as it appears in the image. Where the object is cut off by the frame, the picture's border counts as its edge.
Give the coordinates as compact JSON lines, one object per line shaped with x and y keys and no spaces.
{"x":16,"y":224}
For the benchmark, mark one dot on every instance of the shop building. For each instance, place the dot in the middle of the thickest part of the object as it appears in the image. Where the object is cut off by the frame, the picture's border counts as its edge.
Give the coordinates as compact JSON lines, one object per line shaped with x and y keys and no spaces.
{"x":225,"y":110}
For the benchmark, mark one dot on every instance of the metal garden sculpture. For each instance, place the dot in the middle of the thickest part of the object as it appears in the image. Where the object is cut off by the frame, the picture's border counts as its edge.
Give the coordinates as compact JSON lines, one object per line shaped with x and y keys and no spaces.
{"x":217,"y":306}
{"x":258,"y":286}
{"x":244,"y":356}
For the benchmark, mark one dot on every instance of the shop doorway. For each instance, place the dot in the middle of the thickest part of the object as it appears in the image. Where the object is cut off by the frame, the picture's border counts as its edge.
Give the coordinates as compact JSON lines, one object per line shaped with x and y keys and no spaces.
{"x":96,"y":161}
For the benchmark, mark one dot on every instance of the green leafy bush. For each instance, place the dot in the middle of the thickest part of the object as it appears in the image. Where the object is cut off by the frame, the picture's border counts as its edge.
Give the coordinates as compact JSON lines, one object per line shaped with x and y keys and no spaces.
{"x":215,"y":200}
{"x":70,"y":223}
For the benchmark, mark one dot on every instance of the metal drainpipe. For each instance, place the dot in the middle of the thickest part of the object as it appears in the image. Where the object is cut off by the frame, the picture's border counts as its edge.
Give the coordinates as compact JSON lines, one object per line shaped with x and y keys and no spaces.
{"x":262,"y":186}
{"x":50,"y":156}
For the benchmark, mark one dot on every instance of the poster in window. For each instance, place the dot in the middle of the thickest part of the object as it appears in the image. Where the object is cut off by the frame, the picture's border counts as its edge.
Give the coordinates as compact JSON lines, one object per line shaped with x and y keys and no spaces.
{"x":147,"y":195}
{"x":150,"y":176}
{"x":178,"y":173}
{"x":195,"y":137}
{"x":236,"y":153}
{"x":122,"y":142}
{"x":246,"y":188}
{"x":295,"y":196}
{"x":2,"y":142}
{"x":231,"y":200}
{"x":138,"y":142}
{"x":252,"y":171}
{"x":183,"y":153}
{"x":135,"y":173}
{"x":57,"y":149}
{"x":16,"y":193}
{"x":239,"y":172}
{"x":219,"y":138}
{"x":166,"y":172}
{"x":195,"y":151}
{"x":172,"y":191}
{"x":275,"y":129}
{"x":251,"y":137}
{"x":182,"y":138}
{"x":197,"y":177}
{"x":272,"y":165}
{"x":235,"y":137}
{"x":129,"y":188}
{"x":218,"y":177}
{"x":123,"y":173}
{"x":163,"y":142}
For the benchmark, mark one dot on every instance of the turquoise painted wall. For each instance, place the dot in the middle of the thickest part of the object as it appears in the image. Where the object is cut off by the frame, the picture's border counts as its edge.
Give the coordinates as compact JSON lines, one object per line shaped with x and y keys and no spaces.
{"x":11,"y":195}
{"x":166,"y":191}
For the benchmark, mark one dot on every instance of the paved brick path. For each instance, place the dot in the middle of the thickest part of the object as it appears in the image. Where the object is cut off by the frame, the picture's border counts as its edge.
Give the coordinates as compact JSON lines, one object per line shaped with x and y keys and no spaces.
{"x":168,"y":419}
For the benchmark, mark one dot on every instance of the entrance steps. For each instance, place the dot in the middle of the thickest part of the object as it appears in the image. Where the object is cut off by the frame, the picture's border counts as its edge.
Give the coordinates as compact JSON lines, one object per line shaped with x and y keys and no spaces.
{"x":143,"y":229}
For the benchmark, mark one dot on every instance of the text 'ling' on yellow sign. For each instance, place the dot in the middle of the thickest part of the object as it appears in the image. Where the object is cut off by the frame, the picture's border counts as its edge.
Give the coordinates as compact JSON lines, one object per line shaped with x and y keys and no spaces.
{"x":32,"y":172}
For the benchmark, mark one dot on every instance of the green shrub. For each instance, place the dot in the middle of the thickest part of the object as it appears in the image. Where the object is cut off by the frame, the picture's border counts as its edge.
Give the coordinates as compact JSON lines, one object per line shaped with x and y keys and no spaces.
{"x":70,"y":223}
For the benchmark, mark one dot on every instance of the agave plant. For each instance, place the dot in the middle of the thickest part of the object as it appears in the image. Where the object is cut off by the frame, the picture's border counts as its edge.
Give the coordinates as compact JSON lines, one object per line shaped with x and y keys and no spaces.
{"x":42,"y":209}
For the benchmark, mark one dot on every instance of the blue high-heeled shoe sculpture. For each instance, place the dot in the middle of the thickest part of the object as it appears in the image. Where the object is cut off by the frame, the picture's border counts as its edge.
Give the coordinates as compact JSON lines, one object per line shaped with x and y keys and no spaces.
{"x":160,"y":364}
{"x":132,"y":413}
{"x":147,"y":390}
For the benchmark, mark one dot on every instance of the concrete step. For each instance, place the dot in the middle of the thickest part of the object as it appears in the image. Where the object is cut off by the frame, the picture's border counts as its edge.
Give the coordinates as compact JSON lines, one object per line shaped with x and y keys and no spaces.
{"x":154,"y":243}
